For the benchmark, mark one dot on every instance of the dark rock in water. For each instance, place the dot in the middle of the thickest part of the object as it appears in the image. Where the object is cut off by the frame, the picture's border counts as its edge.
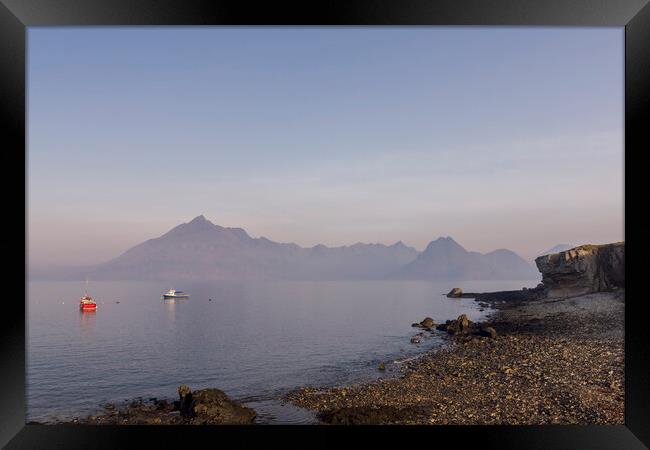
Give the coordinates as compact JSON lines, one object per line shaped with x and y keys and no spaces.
{"x":381,"y":366}
{"x":459,"y":326}
{"x":427,"y":323}
{"x":186,"y":402}
{"x":213,"y":406}
{"x":488,"y":332}
{"x":415,"y":340}
{"x":201,"y":407}
{"x":584,"y":269}
{"x":455,"y":293}
{"x":520,"y":295}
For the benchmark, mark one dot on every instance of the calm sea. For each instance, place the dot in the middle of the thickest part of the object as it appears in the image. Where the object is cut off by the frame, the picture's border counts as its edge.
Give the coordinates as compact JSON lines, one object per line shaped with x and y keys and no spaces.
{"x":255,"y":341}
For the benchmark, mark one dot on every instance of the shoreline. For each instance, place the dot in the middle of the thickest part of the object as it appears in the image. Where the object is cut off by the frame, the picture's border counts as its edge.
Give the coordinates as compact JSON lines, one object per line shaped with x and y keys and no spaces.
{"x":271,"y":407}
{"x":553,"y":361}
{"x":545,"y":361}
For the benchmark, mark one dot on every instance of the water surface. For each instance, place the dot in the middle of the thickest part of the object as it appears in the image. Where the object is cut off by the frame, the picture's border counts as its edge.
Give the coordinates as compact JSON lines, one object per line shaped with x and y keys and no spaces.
{"x":255,"y":341}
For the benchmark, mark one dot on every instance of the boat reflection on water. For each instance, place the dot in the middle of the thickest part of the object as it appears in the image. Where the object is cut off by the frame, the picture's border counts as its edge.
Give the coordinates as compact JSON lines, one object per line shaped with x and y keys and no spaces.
{"x":172,"y":301}
{"x":170,"y":306}
{"x":87,"y":322}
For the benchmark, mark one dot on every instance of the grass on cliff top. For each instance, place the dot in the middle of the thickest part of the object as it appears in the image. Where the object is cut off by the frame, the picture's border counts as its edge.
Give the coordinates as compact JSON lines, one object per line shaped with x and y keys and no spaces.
{"x":595,"y":246}
{"x":582,"y":247}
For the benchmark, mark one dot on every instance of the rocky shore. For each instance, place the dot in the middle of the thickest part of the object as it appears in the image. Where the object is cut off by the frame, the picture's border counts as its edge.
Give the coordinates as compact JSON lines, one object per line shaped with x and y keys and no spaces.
{"x":553,"y":354}
{"x":200,"y":407}
{"x":552,"y":361}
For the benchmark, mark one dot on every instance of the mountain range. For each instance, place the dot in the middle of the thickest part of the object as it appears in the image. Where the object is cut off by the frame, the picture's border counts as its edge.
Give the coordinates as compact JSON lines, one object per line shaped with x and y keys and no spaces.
{"x":201,"y":250}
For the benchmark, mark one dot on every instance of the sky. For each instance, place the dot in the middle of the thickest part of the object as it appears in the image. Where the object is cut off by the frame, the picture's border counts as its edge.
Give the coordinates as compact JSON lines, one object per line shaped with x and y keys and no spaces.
{"x":499,"y":137}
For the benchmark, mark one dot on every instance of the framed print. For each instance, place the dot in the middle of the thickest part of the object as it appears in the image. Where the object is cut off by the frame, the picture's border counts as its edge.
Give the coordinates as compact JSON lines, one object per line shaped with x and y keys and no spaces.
{"x":269,"y":221}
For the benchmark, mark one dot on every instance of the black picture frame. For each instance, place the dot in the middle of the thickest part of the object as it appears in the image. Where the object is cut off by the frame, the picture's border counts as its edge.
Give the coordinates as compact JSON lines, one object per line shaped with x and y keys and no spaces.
{"x":17,"y":15}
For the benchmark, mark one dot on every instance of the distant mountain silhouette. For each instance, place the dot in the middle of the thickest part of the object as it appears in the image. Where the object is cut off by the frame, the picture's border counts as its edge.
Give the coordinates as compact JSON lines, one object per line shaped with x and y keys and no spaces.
{"x":201,"y":250}
{"x":445,"y":259}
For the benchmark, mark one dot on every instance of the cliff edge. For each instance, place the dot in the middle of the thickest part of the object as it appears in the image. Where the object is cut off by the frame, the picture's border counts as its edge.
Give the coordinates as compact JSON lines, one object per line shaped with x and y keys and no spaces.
{"x":583,"y":270}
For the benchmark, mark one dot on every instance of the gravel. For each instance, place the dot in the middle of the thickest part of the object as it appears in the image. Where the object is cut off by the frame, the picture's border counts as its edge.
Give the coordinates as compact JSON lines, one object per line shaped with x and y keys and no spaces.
{"x":554,"y":361}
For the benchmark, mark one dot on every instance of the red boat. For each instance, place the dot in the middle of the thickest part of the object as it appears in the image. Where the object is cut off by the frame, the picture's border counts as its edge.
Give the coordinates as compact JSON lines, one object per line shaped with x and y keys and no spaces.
{"x":87,"y":303}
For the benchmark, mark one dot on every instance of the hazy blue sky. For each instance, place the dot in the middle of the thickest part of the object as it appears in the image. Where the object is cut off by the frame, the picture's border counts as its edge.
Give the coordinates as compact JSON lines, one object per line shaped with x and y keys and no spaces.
{"x":499,"y":137}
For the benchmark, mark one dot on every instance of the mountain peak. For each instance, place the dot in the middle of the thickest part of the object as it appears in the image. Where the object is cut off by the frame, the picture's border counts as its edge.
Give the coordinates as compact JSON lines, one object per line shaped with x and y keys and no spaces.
{"x":199,"y":219}
{"x":200,"y":223}
{"x":443,"y":242}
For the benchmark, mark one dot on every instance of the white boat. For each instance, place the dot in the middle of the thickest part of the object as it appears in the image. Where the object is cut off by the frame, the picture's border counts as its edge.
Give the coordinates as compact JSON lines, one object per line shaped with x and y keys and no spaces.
{"x":173,"y":293}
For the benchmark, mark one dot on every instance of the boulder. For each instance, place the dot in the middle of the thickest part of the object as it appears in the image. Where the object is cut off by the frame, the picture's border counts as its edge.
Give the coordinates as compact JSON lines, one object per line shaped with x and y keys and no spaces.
{"x":415,"y":340}
{"x":427,"y":322}
{"x":210,"y":407}
{"x":186,"y":402}
{"x":455,"y":293}
{"x":381,"y":366}
{"x":488,"y":332}
{"x":459,"y":326}
{"x":583,"y":270}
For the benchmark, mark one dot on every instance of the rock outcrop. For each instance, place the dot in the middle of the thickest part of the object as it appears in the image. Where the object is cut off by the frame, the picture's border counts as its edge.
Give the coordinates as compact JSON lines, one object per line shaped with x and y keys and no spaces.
{"x":535,"y":293}
{"x":212,"y":406}
{"x":583,"y":270}
{"x":461,"y":325}
{"x":200,"y":407}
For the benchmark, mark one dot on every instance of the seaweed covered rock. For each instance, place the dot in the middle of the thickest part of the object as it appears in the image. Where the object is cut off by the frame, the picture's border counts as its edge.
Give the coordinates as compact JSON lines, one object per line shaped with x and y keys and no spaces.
{"x":201,"y":407}
{"x":427,"y":324}
{"x":213,"y":406}
{"x":186,"y":403}
{"x":459,"y":326}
